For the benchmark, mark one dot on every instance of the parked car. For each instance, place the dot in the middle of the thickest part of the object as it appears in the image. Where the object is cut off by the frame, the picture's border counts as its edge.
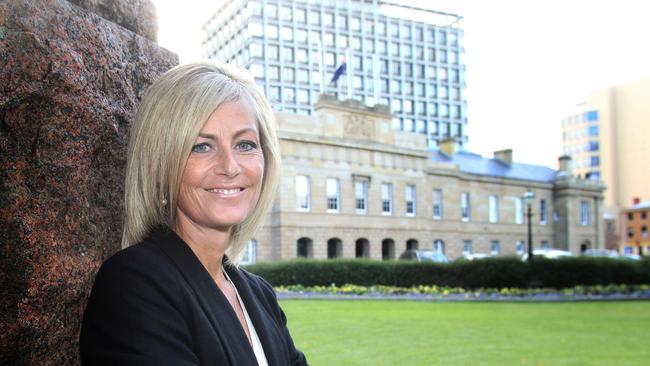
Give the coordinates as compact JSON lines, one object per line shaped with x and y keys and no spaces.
{"x":548,"y":253}
{"x":605,"y":253}
{"x":424,"y":256}
{"x":473,"y":256}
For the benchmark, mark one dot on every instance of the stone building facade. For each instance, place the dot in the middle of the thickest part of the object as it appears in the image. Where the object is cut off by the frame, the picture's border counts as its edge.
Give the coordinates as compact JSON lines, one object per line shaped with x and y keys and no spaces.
{"x":352,"y":186}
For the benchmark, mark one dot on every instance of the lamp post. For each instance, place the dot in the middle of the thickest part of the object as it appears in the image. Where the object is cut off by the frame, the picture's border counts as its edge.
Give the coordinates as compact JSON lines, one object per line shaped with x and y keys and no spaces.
{"x":529,"y":197}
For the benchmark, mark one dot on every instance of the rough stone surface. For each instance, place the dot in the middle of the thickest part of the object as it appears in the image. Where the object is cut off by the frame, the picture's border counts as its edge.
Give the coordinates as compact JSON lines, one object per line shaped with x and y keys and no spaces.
{"x":138,"y":16}
{"x":69,"y":84}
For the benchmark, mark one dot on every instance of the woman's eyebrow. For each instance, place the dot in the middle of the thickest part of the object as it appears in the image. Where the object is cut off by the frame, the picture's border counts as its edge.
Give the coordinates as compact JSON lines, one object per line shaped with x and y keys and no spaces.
{"x":237,"y":134}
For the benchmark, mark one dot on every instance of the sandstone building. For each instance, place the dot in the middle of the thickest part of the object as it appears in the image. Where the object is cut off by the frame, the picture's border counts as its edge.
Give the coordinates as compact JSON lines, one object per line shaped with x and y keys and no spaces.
{"x":355,"y":187}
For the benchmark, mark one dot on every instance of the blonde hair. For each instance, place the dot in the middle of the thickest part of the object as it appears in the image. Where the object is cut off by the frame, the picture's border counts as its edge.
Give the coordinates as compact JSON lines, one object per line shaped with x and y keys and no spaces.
{"x":172,"y":112}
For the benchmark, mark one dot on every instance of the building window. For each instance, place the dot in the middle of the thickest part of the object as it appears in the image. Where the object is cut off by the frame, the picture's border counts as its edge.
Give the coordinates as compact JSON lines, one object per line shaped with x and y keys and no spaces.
{"x":439,"y":246}
{"x":410,"y":200}
{"x":495,"y":247}
{"x":585,"y":214}
{"x":542,"y":212}
{"x":630,"y":232}
{"x":519,"y":247}
{"x":437,"y":204}
{"x":250,"y":254}
{"x":644,"y":232}
{"x":494,"y":208}
{"x":361,"y":196}
{"x":467,"y":247}
{"x":305,"y":248}
{"x":545,"y":244}
{"x":386,"y":198}
{"x":464,"y":206}
{"x":334,"y":248}
{"x":333,"y":195}
{"x":303,"y":193}
{"x":519,"y":210}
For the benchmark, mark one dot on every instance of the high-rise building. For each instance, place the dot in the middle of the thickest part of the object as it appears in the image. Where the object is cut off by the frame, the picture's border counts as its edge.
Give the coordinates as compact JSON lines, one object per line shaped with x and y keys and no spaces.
{"x":607,"y":137}
{"x":294,"y":47}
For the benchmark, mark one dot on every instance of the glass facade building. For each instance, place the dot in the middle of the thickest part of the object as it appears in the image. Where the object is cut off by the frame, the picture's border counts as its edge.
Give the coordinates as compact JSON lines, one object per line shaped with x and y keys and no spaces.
{"x":293,"y":49}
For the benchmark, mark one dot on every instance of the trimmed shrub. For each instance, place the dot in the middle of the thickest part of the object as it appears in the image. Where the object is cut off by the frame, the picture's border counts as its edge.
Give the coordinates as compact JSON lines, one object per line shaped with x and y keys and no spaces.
{"x":503,"y":272}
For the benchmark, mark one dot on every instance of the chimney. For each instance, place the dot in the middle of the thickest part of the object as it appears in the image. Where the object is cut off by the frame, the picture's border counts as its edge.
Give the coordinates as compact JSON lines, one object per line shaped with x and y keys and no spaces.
{"x":504,"y":156}
{"x":565,"y":164}
{"x":636,"y":201}
{"x":448,"y":146}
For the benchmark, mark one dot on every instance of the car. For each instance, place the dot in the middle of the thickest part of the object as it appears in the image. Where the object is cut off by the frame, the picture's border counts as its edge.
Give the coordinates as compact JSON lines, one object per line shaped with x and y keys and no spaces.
{"x":473,"y":256}
{"x":605,"y":253}
{"x":548,"y":253}
{"x":424,"y":256}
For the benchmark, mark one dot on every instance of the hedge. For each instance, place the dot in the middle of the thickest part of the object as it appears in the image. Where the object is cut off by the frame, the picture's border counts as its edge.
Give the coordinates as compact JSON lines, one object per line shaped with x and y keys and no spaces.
{"x":503,"y":272}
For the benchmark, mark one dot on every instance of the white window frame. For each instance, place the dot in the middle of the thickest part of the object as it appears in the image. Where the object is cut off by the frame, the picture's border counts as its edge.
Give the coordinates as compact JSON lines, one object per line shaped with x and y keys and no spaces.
{"x":585,"y":213}
{"x":495,"y":247}
{"x":303,"y":195}
{"x":467,"y":247}
{"x":437,"y":204}
{"x":361,"y":196}
{"x":520,"y":247}
{"x":333,"y":195}
{"x":493,"y":209}
{"x":387,"y":198}
{"x":543,"y":212}
{"x":465,"y":207}
{"x":519,"y":210}
{"x":409,"y":196}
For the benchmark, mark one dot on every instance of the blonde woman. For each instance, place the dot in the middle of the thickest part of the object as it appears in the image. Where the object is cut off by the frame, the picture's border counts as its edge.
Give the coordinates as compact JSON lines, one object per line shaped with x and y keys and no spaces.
{"x":203,"y":166}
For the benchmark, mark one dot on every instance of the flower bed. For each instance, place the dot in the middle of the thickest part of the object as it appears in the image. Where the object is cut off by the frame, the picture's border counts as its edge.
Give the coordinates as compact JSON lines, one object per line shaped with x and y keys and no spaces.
{"x":437,"y":293}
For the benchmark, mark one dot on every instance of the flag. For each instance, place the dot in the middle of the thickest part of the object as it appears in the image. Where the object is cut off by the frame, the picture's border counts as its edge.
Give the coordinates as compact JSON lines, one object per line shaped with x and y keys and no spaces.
{"x":339,"y":71}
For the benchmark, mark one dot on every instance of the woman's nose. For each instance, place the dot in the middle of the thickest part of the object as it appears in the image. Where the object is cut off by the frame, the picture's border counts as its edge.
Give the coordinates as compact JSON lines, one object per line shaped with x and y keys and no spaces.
{"x":227,"y":164}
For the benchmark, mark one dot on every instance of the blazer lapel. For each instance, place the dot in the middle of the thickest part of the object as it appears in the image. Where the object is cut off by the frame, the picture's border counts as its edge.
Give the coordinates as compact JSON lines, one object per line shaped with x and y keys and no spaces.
{"x":215,"y":305}
{"x":266,"y":328}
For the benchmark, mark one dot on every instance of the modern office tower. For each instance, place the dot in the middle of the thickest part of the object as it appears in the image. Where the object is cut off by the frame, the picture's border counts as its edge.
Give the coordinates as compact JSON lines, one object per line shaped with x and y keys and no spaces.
{"x":607,"y":138}
{"x":293,"y":49}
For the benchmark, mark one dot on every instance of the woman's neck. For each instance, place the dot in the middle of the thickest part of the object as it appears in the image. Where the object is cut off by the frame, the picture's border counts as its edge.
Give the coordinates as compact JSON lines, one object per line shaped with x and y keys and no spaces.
{"x":208,"y":245}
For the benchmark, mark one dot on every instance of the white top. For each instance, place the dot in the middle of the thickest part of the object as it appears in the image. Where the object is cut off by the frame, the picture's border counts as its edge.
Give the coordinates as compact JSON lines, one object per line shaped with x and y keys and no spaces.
{"x":257,"y":345}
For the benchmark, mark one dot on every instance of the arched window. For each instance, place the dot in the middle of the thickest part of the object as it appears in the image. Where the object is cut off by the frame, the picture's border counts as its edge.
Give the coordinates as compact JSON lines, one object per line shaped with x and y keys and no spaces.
{"x":362,"y":248}
{"x":387,"y":249}
{"x":305,"y":248}
{"x":334,"y":248}
{"x":412,"y":244}
{"x":439,"y":246}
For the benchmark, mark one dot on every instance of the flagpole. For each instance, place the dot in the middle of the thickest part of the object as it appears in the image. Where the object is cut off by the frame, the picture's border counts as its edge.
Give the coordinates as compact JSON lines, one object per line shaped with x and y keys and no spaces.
{"x":348,"y":57}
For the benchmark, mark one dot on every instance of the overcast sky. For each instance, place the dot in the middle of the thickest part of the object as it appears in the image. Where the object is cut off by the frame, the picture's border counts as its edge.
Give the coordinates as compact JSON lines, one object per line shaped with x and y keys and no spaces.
{"x":528,"y":61}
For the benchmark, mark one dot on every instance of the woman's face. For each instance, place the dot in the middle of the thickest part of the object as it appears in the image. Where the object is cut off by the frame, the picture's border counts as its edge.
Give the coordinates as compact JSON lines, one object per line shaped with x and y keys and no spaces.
{"x":222,"y":179}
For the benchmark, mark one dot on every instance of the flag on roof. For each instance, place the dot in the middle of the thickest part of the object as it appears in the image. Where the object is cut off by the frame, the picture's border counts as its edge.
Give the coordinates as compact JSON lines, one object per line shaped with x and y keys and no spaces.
{"x":339,"y":71}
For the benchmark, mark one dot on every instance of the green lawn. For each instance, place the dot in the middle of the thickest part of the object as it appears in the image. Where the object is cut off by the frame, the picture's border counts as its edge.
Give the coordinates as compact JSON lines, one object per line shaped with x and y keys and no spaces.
{"x":333,"y":333}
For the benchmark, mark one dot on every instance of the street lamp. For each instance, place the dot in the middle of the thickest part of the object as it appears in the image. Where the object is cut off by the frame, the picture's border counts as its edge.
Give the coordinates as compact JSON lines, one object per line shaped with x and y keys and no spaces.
{"x":529,"y":197}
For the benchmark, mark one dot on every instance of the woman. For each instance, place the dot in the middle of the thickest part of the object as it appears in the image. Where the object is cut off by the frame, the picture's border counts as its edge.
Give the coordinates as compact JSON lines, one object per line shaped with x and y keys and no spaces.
{"x":203,"y":166}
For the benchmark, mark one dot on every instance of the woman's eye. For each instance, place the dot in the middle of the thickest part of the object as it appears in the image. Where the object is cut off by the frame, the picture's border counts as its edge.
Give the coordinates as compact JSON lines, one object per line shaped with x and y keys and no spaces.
{"x":201,"y":148}
{"x":246,"y":145}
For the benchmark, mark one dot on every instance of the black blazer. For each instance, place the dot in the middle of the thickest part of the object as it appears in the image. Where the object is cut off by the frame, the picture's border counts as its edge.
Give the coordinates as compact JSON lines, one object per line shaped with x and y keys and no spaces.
{"x":155,"y":304}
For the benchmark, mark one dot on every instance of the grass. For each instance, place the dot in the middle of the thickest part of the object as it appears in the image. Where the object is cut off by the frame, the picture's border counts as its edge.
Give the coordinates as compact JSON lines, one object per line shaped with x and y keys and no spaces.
{"x":428,"y":333}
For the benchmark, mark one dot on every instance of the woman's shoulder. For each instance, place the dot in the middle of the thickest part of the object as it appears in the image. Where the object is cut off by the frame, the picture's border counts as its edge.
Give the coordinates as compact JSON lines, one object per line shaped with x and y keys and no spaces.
{"x":137,"y":263}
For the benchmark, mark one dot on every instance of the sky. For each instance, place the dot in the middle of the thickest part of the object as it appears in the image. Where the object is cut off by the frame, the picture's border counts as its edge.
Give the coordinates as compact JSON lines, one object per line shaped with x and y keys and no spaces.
{"x":528,"y":62}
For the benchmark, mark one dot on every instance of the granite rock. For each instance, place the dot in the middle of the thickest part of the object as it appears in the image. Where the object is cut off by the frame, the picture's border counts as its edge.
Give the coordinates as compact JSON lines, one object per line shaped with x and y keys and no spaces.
{"x":70,"y":81}
{"x":138,"y":16}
